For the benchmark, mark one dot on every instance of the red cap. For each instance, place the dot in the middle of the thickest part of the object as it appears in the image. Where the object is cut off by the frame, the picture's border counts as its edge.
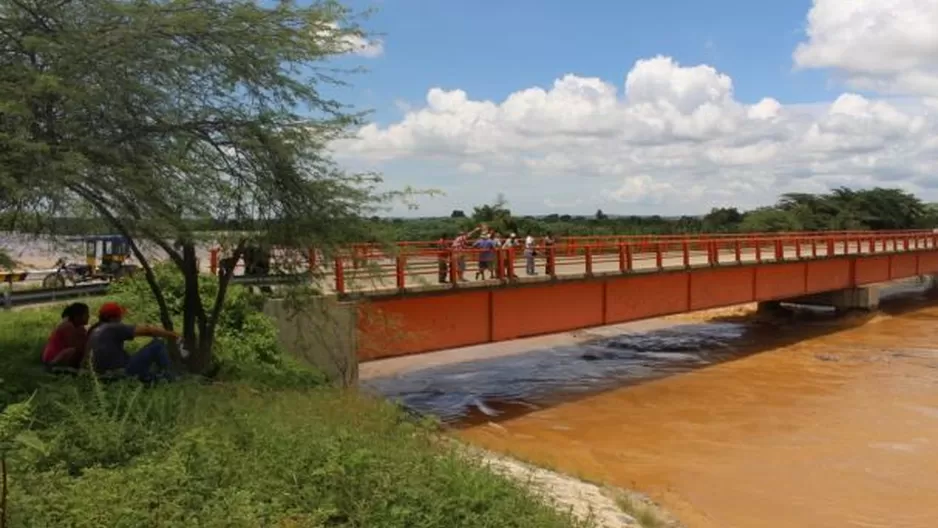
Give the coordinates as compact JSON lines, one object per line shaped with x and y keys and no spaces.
{"x":111,"y":310}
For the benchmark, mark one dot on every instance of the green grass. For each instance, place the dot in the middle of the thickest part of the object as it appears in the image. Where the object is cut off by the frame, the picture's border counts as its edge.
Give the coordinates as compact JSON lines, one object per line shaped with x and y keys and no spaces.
{"x":261,"y":447}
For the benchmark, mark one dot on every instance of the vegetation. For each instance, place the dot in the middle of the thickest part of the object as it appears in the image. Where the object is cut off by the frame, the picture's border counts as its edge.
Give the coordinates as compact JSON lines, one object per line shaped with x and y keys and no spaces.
{"x":265,"y":444}
{"x":214,"y":110}
{"x":840,"y":209}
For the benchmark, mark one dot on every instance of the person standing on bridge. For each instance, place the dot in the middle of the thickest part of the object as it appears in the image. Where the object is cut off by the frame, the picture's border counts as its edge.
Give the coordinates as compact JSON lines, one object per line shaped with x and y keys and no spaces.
{"x":460,"y":245}
{"x":530,"y":252}
{"x":508,"y":247}
{"x":443,"y":252}
{"x":549,"y":253}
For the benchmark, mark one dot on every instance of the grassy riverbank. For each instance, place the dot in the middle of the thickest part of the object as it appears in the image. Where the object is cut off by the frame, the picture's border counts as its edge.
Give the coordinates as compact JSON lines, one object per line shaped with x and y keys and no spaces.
{"x":266,"y":444}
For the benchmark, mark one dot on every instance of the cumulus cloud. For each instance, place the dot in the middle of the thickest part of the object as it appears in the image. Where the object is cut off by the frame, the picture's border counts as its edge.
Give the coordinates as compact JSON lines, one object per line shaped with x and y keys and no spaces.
{"x":352,"y":43}
{"x":882,"y":45}
{"x":674,"y":138}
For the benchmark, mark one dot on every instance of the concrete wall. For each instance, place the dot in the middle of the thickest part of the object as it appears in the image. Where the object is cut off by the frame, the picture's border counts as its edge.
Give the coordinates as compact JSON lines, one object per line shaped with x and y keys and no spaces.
{"x":862,"y":298}
{"x":321,"y":332}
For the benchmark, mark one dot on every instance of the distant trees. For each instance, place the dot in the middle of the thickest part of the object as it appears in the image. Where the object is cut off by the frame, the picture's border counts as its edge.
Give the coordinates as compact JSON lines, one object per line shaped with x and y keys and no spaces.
{"x":840,"y":209}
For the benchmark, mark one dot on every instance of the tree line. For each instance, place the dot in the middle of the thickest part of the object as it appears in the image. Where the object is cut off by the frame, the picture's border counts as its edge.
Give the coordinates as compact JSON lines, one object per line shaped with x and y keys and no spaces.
{"x":840,"y":209}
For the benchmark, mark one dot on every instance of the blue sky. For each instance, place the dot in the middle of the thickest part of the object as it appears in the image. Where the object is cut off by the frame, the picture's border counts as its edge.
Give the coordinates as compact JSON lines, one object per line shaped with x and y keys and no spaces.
{"x":490,"y":48}
{"x":748,"y":100}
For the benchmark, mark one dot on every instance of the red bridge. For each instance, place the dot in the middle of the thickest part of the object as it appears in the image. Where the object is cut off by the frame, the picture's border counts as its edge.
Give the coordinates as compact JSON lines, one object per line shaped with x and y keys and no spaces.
{"x":400,"y":308}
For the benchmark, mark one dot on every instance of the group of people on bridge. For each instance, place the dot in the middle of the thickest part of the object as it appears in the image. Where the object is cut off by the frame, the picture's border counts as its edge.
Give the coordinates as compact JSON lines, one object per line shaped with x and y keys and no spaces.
{"x":487,"y":245}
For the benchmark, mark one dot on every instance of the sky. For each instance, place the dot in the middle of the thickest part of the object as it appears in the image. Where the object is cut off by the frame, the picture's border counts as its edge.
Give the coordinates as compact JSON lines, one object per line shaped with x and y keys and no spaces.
{"x":667,"y":107}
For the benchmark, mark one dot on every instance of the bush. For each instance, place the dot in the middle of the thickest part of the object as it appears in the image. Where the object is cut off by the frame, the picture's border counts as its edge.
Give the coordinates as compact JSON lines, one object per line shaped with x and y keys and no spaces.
{"x":244,"y":334}
{"x":263,"y":448}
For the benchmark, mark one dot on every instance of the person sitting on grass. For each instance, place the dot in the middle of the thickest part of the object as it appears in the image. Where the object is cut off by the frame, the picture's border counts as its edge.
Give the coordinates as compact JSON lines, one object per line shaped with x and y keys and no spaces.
{"x":106,"y":341}
{"x":66,"y":345}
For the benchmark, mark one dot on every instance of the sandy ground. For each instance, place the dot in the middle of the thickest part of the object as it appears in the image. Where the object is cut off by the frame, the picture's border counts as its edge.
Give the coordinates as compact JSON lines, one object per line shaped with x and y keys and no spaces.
{"x":584,"y":500}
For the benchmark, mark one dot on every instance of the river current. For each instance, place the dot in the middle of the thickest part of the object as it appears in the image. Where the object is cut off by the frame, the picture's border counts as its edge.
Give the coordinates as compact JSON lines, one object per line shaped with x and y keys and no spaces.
{"x":803,"y":421}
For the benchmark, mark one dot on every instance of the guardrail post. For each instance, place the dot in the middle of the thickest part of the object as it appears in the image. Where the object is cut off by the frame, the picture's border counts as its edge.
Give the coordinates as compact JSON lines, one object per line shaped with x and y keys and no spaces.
{"x":872,"y":245}
{"x":453,"y":268}
{"x":830,"y":247}
{"x":622,"y":258}
{"x":659,"y":257}
{"x":779,"y":250}
{"x":511,"y":263}
{"x":798,"y":248}
{"x":905,"y":243}
{"x":213,"y":261}
{"x":589,"y":260}
{"x":399,"y":265}
{"x":500,"y":264}
{"x":685,"y":249}
{"x":551,"y":261}
{"x":339,"y":275}
{"x":737,"y":247}
{"x":628,"y":258}
{"x":758,"y":251}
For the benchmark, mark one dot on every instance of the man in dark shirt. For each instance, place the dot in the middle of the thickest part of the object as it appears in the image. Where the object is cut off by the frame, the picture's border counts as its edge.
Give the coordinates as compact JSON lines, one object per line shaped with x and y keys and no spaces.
{"x":106,"y":341}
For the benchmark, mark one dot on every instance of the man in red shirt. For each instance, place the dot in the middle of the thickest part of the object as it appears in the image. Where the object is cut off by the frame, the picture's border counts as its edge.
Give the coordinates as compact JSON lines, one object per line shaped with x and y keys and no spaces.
{"x":66,"y":345}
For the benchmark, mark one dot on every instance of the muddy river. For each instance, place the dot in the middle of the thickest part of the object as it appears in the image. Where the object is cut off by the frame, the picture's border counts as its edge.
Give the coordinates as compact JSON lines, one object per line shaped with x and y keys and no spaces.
{"x":801,"y":421}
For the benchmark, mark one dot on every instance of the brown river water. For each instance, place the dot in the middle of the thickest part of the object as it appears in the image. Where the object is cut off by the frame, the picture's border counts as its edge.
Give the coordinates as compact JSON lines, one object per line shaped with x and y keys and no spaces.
{"x":799,"y":422}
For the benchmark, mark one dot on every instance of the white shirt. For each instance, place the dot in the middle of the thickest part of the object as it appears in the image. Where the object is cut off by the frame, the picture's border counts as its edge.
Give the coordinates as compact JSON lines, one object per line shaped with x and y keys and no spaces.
{"x":529,"y":242}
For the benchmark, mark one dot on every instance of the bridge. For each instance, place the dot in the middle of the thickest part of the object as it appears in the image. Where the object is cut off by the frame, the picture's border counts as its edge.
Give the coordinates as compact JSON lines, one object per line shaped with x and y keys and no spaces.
{"x":389,"y":302}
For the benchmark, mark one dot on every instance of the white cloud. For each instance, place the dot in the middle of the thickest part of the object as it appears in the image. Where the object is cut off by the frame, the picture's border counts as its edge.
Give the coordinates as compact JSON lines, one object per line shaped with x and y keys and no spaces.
{"x":882,"y":45}
{"x":674,"y":139}
{"x":354,"y":44}
{"x":470,"y":167}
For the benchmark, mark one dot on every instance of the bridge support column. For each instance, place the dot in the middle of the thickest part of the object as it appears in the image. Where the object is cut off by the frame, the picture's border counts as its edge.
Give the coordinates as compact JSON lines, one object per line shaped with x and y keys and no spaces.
{"x":769,"y":307}
{"x":321,"y":332}
{"x":862,"y":298}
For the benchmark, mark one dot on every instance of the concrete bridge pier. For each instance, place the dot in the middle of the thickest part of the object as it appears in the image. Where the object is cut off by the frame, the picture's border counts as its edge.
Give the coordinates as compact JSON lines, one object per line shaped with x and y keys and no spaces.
{"x":860,"y":298}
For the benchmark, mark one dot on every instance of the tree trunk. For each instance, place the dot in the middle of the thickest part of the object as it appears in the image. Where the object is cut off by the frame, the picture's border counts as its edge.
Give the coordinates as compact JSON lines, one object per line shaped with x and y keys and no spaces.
{"x":194,"y":320}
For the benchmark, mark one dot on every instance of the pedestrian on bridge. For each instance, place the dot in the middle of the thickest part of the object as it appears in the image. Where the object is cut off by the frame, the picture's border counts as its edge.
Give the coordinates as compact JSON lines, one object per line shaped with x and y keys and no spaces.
{"x":443,"y":254}
{"x":530,"y":252}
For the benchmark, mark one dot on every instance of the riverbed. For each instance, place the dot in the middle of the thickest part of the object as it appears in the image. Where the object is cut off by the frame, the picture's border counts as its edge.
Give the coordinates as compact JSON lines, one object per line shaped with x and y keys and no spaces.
{"x":728,"y":421}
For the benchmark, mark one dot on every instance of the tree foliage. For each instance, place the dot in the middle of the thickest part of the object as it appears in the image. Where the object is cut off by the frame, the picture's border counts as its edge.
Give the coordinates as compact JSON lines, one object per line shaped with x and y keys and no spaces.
{"x":158,"y":114}
{"x":841,"y":209}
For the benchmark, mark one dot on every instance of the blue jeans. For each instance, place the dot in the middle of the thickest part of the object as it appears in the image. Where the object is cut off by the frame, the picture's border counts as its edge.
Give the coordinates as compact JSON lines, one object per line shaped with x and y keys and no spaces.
{"x":153,"y":353}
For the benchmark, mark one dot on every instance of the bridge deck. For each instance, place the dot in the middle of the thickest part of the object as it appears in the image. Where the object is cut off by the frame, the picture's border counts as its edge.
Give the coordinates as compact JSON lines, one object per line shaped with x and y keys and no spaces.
{"x":420,"y":273}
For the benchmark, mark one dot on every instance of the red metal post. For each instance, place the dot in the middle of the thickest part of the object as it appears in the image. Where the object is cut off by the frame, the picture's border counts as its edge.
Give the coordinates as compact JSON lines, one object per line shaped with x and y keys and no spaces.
{"x":797,"y":248}
{"x":758,"y":251}
{"x":905,"y":243}
{"x":628,"y":257}
{"x":500,"y":264}
{"x":339,"y":275}
{"x":659,"y":258}
{"x":830,"y":247}
{"x":739,"y":250}
{"x":551,"y":260}
{"x":779,"y":250}
{"x":685,"y":248}
{"x":511,"y":263}
{"x":589,"y":260}
{"x":453,"y":268}
{"x":813,"y":247}
{"x":399,"y":269}
{"x":622,"y":258}
{"x":213,"y":261}
{"x":715,"y":251}
{"x":872,"y":245}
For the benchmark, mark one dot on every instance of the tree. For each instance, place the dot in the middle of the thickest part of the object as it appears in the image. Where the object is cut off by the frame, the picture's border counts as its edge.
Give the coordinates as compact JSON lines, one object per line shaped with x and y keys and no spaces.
{"x":155,"y":114}
{"x":600,"y":215}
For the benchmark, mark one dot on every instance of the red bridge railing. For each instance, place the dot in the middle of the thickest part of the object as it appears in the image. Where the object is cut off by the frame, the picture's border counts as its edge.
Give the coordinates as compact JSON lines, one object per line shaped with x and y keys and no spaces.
{"x":362,"y":268}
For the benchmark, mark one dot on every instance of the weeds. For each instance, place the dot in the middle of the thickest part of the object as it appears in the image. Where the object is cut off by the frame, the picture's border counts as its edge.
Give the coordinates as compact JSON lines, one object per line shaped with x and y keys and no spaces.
{"x":267,"y":445}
